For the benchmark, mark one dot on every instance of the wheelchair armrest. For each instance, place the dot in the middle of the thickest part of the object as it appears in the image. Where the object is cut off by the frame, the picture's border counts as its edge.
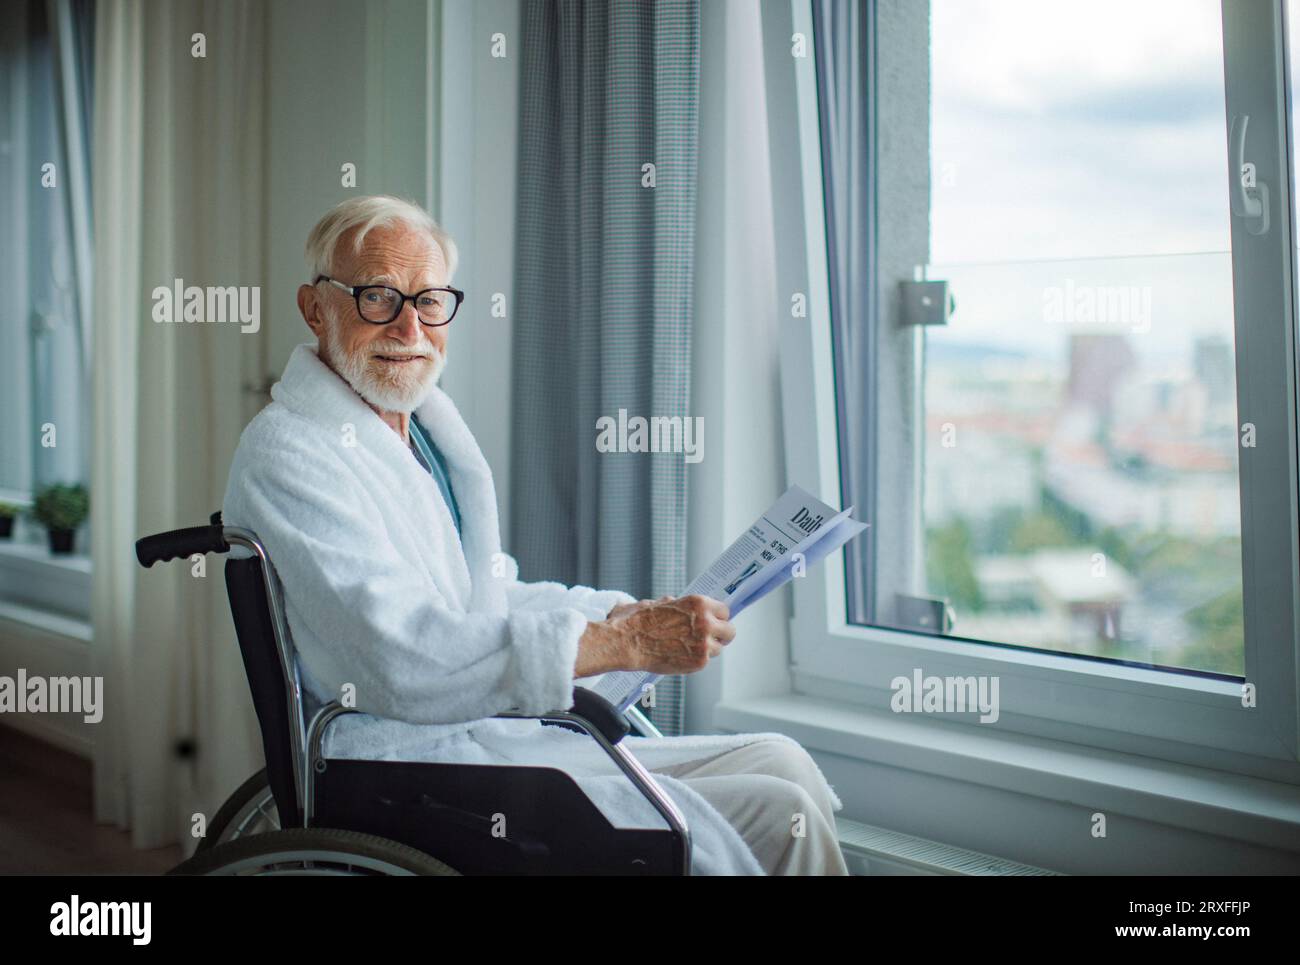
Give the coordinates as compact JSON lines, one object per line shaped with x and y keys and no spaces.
{"x":596,"y":717}
{"x":590,"y":707}
{"x":591,"y":714}
{"x":590,"y":711}
{"x":600,"y":713}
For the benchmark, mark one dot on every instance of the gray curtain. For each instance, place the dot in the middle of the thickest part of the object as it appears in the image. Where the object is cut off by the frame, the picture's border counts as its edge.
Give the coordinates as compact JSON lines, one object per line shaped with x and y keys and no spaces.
{"x":845,"y":67}
{"x":602,"y":318}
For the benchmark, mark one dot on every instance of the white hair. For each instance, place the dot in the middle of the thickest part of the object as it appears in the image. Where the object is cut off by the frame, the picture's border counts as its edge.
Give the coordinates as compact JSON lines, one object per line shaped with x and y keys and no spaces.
{"x":365,"y":213}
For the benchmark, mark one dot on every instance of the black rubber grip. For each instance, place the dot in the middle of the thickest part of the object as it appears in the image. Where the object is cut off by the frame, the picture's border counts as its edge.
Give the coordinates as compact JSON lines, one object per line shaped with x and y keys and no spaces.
{"x":180,"y":542}
{"x":598,"y":712}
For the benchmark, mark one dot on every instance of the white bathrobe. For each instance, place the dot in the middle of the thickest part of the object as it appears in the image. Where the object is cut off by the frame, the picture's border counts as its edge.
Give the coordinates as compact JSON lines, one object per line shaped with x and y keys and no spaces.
{"x":434,"y":634}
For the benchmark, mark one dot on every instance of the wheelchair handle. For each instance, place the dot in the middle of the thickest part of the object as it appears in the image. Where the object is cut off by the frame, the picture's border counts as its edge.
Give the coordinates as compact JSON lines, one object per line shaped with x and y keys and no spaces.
{"x":182,"y":542}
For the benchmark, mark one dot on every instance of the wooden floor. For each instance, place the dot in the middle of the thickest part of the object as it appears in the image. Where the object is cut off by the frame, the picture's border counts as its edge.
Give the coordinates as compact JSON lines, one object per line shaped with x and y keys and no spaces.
{"x":45,"y":817}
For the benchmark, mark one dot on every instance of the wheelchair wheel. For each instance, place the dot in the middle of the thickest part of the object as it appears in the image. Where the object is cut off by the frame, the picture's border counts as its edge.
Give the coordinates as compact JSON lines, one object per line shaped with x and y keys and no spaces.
{"x":312,"y":851}
{"x":250,"y":810}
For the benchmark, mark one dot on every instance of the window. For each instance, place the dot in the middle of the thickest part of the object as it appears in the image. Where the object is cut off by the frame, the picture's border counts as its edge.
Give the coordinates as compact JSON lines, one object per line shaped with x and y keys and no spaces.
{"x":1083,"y":482}
{"x":45,"y":268}
{"x":45,"y":249}
{"x":1080,"y":408}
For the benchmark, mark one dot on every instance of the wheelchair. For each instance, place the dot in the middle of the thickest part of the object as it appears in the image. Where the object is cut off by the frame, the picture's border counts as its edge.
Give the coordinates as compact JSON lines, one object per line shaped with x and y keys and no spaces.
{"x":305,"y":813}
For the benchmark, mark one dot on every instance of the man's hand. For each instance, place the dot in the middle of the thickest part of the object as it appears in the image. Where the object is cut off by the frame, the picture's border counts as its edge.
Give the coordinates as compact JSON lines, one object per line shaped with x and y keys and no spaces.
{"x":626,"y":609}
{"x":665,"y":636}
{"x":675,"y":636}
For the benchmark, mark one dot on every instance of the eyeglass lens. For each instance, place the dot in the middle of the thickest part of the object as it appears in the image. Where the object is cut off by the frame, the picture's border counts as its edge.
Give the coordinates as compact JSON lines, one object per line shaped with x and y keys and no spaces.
{"x":380,"y":304}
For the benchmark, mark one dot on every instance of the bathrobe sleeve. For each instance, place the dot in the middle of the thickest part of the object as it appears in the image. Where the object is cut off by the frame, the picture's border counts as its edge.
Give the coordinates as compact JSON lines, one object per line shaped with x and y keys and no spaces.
{"x":375,"y":622}
{"x":547,"y":595}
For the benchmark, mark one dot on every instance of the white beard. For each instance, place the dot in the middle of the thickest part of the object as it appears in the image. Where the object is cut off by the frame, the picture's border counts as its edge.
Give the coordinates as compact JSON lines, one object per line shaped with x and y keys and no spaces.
{"x":390,"y":390}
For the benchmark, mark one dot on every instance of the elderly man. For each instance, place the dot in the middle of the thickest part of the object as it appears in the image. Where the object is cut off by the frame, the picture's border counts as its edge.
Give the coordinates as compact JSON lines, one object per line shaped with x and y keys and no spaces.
{"x":379,"y":510}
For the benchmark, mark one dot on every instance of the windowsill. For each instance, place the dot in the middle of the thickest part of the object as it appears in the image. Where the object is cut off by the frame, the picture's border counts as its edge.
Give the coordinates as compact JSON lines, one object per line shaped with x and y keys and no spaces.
{"x":1248,"y":809}
{"x":55,"y":623}
{"x":39,"y":555}
{"x":43,"y":588}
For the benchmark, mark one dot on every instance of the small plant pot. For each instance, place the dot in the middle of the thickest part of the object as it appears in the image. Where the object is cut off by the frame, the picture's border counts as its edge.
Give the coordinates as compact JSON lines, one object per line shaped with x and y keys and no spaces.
{"x":61,"y":540}
{"x":6,"y":527}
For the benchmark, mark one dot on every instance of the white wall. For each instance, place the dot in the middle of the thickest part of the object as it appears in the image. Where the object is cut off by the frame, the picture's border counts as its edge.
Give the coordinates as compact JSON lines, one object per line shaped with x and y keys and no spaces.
{"x":475,"y":174}
{"x":735,"y":383}
{"x":346,"y":83}
{"x":351,"y":82}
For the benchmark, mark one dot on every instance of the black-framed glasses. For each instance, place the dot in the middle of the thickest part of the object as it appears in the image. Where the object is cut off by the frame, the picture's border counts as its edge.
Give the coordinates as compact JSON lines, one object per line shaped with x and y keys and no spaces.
{"x":381,"y":304}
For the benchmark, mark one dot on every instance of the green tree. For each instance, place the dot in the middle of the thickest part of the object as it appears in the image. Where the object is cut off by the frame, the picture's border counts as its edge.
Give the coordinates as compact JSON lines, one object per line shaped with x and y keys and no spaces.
{"x":1111,"y":541}
{"x":1040,"y":531}
{"x":1220,"y":627}
{"x":950,"y":565}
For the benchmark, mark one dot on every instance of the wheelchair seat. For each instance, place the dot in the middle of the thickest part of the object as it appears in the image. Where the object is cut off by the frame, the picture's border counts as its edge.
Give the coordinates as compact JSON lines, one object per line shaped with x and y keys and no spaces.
{"x":474,"y":818}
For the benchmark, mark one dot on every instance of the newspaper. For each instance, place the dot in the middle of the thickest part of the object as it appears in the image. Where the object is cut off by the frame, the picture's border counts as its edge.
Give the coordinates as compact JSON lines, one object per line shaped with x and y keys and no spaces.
{"x":796,"y":532}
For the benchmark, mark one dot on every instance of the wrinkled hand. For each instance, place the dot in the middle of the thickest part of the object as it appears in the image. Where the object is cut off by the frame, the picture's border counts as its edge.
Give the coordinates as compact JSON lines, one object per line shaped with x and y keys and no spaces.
{"x":673,"y":635}
{"x":626,"y":609}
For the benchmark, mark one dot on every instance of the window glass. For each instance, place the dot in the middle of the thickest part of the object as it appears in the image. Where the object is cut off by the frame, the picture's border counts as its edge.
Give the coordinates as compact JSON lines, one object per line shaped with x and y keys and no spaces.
{"x":1080,"y":457}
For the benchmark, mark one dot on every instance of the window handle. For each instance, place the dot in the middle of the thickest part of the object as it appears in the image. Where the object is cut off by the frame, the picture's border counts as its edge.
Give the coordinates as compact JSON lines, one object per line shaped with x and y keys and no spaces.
{"x":1248,"y":195}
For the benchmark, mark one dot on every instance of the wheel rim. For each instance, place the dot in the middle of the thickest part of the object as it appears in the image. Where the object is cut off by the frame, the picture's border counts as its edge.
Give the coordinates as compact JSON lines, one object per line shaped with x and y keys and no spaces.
{"x":259,"y":815}
{"x":310,"y":861}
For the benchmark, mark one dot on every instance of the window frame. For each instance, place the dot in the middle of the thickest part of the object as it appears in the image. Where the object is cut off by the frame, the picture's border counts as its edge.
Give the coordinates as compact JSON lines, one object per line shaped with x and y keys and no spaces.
{"x":1178,"y":717}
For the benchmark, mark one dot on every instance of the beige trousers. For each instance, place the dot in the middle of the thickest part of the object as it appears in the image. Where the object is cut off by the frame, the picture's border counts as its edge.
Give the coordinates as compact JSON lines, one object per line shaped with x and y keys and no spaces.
{"x":773,"y":794}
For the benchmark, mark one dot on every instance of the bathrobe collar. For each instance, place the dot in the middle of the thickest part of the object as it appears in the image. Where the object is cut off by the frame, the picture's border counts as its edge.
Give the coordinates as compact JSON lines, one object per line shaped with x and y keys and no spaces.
{"x":314,"y":391}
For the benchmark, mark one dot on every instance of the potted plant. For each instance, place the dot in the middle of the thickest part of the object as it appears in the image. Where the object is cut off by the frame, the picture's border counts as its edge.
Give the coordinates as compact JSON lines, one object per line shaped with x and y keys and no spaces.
{"x":7,"y":513}
{"x":61,"y":509}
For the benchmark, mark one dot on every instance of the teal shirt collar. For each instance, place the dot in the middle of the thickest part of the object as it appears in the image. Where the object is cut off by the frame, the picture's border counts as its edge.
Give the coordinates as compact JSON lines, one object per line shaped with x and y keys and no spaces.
{"x":431,"y":458}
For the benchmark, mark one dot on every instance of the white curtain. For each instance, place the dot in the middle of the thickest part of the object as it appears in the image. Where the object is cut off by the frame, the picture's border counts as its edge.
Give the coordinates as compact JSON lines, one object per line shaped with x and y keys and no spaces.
{"x":177,"y":174}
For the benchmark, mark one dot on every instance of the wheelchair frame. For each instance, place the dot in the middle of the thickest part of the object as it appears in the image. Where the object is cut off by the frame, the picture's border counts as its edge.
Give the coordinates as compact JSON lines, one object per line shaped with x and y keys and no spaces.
{"x":299,"y":794}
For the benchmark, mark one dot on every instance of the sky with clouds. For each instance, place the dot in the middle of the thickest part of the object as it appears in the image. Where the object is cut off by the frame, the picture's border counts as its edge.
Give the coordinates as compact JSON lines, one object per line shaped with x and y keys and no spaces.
{"x":1066,"y":132}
